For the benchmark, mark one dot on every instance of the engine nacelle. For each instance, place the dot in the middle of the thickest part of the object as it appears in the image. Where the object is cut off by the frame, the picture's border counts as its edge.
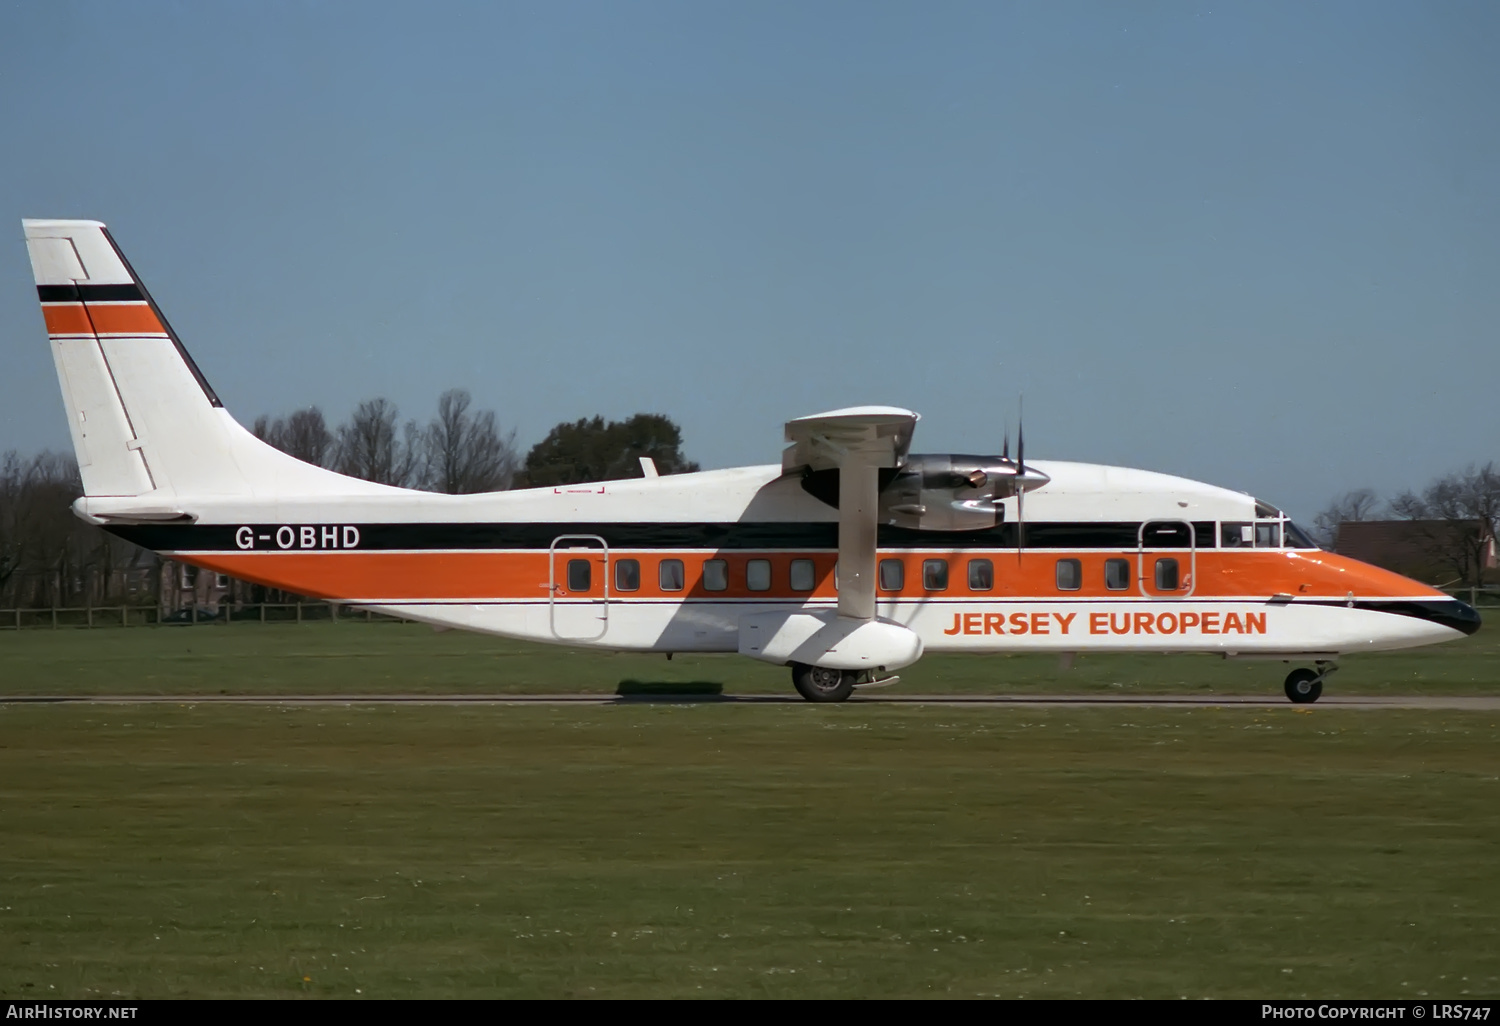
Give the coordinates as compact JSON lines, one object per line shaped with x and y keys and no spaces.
{"x":939,"y":492}
{"x":953,"y":492}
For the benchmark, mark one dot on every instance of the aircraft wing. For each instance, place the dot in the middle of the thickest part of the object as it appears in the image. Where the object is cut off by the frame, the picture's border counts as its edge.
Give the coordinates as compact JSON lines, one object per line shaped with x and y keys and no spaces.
{"x":818,"y":441}
{"x":858,"y":442}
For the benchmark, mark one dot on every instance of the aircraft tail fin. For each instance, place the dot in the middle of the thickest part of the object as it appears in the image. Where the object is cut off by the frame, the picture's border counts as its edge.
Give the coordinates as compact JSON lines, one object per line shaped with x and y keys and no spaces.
{"x":145,"y":421}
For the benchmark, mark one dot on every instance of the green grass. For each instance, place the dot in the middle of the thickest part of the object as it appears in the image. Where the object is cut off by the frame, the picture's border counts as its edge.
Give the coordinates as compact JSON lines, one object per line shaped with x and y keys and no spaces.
{"x":359,"y":658}
{"x":715,"y":850}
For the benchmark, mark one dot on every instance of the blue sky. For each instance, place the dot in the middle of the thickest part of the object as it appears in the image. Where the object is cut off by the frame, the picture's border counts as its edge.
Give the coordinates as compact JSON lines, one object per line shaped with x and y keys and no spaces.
{"x":1256,"y":244}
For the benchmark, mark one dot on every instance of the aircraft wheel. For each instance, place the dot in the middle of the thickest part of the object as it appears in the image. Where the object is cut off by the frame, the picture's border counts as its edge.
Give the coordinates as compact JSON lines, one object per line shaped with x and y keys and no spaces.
{"x":822,"y":684}
{"x":1304,"y":685}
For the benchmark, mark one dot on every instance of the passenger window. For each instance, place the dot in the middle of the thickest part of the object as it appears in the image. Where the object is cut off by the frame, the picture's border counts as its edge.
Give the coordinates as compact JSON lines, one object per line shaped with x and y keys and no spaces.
{"x":627,"y":575}
{"x":1117,"y":574}
{"x":935,"y":574}
{"x":669,"y":575}
{"x":981,"y":575}
{"x":758,"y":575}
{"x":892,"y":575}
{"x":1069,"y":575}
{"x":715,"y":575}
{"x":580,"y":575}
{"x":1166,"y":575}
{"x":1268,"y":536}
{"x":804,"y":575}
{"x":1235,"y":535}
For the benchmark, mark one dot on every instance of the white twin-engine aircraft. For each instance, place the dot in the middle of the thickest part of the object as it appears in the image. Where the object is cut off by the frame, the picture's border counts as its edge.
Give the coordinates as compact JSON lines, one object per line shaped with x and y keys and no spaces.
{"x":845,"y":562}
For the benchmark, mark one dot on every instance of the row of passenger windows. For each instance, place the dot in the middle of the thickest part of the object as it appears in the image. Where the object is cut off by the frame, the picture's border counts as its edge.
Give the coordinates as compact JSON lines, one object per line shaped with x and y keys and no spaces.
{"x":671,"y":575}
{"x":1117,"y":574}
{"x":803,"y":576}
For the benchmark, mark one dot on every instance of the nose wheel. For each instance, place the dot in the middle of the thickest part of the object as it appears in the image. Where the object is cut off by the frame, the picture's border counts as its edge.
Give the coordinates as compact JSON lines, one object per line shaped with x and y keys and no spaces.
{"x":1303,"y":685}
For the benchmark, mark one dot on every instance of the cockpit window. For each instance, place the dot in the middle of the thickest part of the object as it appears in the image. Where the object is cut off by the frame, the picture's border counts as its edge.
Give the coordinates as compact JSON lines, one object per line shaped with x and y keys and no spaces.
{"x":1235,"y":534}
{"x":1266,"y":511}
{"x":1268,"y":535}
{"x":1296,"y":538}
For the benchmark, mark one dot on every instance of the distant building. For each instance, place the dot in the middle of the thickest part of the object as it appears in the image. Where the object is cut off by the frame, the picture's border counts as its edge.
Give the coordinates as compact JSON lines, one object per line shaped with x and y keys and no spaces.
{"x":1424,"y":550}
{"x":186,"y":587}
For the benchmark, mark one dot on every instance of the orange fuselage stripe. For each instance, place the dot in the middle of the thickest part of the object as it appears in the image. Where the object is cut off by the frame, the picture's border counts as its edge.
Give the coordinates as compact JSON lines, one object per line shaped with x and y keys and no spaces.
{"x":525,"y":575}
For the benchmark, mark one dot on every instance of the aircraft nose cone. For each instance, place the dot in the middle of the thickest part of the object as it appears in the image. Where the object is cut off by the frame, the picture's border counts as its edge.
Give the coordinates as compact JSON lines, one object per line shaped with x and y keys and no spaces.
{"x":1465,"y":617}
{"x":1450,"y":613}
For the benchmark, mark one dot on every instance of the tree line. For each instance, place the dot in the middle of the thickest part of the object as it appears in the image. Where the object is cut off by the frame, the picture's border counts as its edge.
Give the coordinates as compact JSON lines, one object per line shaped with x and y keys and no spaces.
{"x":461,"y":451}
{"x":50,"y":558}
{"x":1452,"y":519}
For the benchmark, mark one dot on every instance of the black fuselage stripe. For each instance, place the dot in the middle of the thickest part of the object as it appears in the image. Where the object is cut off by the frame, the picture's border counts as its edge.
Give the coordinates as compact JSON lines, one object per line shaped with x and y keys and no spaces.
{"x":633,"y":535}
{"x":1452,"y":613}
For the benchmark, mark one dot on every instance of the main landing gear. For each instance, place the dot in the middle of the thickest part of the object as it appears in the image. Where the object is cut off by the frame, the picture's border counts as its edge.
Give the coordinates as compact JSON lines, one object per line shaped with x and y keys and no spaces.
{"x":825,"y":684}
{"x":1304,"y":685}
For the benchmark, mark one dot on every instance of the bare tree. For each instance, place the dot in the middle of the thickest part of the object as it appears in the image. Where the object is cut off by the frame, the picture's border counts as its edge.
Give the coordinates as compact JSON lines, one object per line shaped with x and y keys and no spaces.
{"x":1457,"y":516}
{"x":304,"y":434}
{"x":370,"y":448}
{"x":12,"y":487}
{"x":1354,"y":506}
{"x":307,"y":437}
{"x":47,"y":555}
{"x":463,"y":452}
{"x":41,"y":530}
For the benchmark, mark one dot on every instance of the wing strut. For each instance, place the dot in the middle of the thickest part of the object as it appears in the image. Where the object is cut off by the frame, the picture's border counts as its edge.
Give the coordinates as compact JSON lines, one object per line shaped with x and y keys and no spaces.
{"x":858,"y":442}
{"x":859,"y":495}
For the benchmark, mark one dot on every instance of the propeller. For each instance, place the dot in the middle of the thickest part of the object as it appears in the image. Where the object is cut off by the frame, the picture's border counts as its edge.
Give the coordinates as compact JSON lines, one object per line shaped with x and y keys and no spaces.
{"x":1020,"y":478}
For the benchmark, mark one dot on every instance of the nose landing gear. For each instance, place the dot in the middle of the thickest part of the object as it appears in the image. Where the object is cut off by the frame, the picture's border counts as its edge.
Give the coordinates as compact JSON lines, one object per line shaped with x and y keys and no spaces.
{"x":1303,"y":685}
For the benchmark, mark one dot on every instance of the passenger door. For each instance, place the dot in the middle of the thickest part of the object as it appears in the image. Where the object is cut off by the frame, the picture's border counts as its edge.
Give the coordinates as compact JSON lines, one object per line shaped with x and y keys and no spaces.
{"x":1166,"y":558}
{"x":578,"y":587}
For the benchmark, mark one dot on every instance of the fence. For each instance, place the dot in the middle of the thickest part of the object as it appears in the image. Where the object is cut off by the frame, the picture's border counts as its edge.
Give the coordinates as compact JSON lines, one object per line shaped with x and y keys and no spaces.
{"x":1487,"y":597}
{"x":150,"y":616}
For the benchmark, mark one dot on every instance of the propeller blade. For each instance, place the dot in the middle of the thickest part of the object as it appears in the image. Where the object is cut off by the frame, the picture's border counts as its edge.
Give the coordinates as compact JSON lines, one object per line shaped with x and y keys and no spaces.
{"x":1021,"y":438}
{"x":1005,"y":450}
{"x":1020,"y":520}
{"x":1020,"y":478}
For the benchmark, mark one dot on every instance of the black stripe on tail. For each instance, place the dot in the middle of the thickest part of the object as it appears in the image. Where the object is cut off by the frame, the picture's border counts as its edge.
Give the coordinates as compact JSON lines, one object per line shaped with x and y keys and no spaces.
{"x":139,"y":286}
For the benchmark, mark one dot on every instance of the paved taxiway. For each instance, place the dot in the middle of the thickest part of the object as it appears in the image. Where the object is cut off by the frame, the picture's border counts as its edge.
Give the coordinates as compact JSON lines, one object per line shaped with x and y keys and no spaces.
{"x":1480,"y":703}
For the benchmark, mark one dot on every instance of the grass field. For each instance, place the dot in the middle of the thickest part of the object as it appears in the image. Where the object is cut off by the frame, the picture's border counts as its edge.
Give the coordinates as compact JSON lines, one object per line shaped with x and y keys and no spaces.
{"x":384,"y":658}
{"x":669,"y":850}
{"x":708,"y":849}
